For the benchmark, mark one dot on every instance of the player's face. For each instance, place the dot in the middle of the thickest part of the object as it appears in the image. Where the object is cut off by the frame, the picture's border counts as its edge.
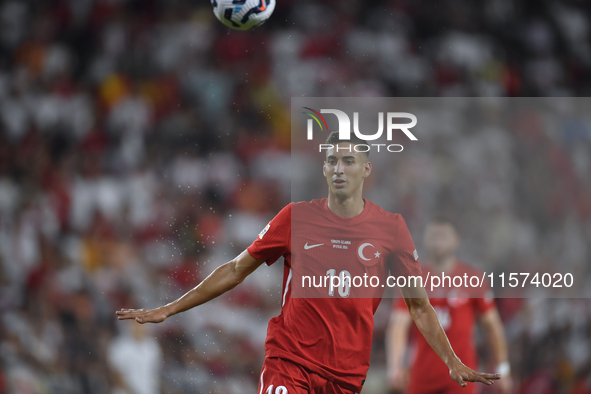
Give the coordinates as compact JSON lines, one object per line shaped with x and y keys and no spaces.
{"x":345,"y":169}
{"x":441,"y":240}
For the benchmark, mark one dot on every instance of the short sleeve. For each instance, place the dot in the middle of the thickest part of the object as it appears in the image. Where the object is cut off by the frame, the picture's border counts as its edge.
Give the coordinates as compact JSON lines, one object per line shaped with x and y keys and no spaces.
{"x":483,"y":304}
{"x":399,"y":305}
{"x":273,"y":241}
{"x":405,"y":260}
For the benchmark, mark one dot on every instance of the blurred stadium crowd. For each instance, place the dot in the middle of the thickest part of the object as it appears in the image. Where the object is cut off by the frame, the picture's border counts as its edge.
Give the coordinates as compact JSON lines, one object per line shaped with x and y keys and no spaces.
{"x":142,"y":144}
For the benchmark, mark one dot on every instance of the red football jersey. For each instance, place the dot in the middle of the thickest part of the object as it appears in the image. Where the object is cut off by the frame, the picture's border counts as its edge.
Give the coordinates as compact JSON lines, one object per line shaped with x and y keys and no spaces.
{"x":457,"y":317}
{"x":329,"y":330}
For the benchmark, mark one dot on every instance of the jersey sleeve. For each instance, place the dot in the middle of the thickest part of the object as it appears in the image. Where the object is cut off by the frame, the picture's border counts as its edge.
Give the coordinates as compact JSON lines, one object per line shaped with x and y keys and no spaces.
{"x":405,"y":259}
{"x":274,"y":240}
{"x":399,"y":305}
{"x":483,"y":298}
{"x":483,"y":304}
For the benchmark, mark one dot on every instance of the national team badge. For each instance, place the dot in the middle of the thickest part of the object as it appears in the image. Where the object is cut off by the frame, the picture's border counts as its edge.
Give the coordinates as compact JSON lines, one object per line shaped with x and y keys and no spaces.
{"x":368,"y":253}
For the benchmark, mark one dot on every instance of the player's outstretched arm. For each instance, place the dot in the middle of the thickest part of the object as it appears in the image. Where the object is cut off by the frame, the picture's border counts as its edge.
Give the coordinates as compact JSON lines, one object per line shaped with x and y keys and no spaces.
{"x":427,"y":322}
{"x":396,"y":341}
{"x":493,"y":326}
{"x":224,"y":278}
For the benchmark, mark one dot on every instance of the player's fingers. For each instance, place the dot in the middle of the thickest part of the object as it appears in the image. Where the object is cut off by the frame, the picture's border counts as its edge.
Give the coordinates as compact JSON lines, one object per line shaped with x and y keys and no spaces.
{"x":458,"y":379}
{"x":486,"y":378}
{"x":126,"y":314}
{"x":131,"y":312}
{"x":480,"y":379}
{"x":123,"y":311}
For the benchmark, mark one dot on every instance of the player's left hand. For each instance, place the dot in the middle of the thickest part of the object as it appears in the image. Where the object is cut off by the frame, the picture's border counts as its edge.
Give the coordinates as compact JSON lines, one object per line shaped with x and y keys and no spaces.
{"x":142,"y":316}
{"x":505,"y":385}
{"x":462,"y":374}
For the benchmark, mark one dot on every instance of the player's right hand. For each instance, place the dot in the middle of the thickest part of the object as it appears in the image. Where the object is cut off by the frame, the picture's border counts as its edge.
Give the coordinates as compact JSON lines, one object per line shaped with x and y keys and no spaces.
{"x":142,"y":315}
{"x":398,"y":380}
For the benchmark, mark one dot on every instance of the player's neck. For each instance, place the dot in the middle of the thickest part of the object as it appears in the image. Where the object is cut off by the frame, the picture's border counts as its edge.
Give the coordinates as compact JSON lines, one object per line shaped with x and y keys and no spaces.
{"x":446,"y":264}
{"x":346,"y":207}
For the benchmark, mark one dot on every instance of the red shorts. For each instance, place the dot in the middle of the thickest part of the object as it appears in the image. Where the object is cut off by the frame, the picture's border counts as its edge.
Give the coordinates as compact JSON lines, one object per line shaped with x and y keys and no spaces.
{"x":280,"y":376}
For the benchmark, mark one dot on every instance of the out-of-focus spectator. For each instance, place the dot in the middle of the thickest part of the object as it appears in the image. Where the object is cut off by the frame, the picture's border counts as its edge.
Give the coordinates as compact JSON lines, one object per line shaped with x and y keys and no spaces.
{"x":136,"y":359}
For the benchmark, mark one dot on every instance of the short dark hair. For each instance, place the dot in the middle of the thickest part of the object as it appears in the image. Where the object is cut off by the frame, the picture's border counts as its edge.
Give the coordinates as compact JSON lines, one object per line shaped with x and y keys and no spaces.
{"x":334,"y":138}
{"x":443,"y":218}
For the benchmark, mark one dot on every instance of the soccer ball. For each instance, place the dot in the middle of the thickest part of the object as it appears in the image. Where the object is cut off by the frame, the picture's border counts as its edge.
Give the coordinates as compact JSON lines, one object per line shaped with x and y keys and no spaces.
{"x":243,"y":14}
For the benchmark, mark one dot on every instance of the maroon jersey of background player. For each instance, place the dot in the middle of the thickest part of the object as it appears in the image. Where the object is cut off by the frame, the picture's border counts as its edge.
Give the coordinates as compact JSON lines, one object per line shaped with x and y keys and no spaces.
{"x":458,"y":318}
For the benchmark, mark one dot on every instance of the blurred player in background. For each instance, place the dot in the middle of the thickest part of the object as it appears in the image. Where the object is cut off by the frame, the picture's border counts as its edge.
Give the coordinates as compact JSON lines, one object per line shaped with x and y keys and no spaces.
{"x":323,"y":345}
{"x":457,"y":317}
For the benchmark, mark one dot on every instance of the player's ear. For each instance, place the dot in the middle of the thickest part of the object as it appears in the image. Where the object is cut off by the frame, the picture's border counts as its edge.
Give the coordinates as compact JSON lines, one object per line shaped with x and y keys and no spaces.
{"x":366,"y":169}
{"x":324,"y":169}
{"x":457,"y":239}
